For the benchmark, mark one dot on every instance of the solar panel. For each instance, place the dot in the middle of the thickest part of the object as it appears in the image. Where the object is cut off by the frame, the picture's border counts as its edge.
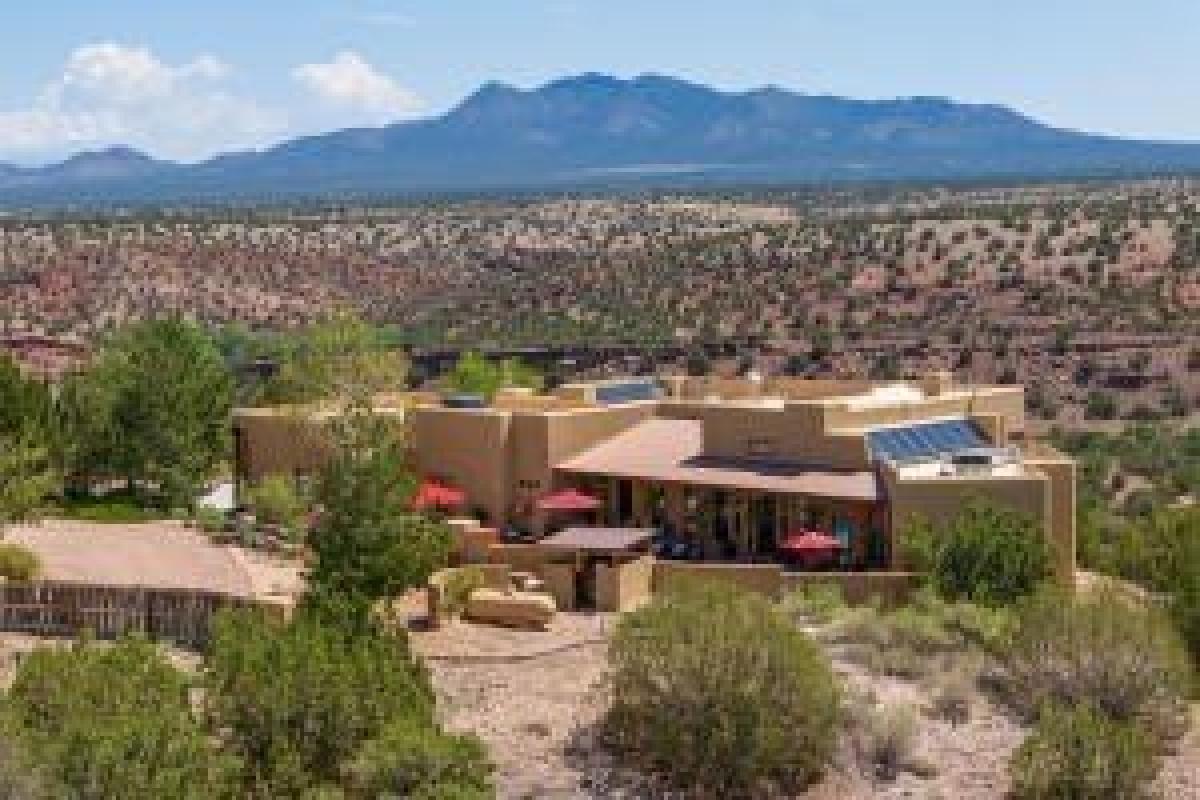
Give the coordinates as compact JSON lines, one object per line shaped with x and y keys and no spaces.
{"x":626,"y":392}
{"x":924,"y":440}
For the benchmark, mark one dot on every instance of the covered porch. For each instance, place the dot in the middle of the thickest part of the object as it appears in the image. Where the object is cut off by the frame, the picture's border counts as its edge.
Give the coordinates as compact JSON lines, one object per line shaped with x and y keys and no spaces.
{"x":716,"y":523}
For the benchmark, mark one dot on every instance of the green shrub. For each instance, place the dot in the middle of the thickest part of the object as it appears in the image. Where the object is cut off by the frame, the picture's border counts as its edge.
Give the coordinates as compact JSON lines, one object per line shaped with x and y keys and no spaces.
{"x":115,"y":722}
{"x":414,"y":760}
{"x":820,"y":603}
{"x":296,"y":701}
{"x":276,"y":501}
{"x":714,"y":688}
{"x":210,"y":520}
{"x":921,"y":638}
{"x":1082,"y":753}
{"x":116,"y":508}
{"x":986,"y":555}
{"x":18,"y":563}
{"x":21,"y":777}
{"x":1102,"y":648}
{"x":458,"y":585}
{"x":1162,"y":553}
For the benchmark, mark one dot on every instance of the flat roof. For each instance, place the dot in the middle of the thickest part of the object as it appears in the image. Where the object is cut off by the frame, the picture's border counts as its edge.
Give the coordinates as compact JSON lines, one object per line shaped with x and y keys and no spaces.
{"x":155,"y":554}
{"x":671,"y":451}
{"x":594,"y":539}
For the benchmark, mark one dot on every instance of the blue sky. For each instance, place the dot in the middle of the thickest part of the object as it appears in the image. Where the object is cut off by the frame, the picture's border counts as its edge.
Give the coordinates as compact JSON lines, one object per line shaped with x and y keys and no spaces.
{"x":187,"y":78}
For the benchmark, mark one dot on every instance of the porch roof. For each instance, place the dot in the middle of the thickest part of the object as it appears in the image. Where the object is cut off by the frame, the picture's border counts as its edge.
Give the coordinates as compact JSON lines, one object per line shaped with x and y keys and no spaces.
{"x":671,"y":451}
{"x":599,"y":539}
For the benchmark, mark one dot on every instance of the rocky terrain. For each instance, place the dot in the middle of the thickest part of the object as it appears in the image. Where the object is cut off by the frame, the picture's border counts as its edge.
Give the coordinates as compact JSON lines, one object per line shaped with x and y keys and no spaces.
{"x":537,"y":699}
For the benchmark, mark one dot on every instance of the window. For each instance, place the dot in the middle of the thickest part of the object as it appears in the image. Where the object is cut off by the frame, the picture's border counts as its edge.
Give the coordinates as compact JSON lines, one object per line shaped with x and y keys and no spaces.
{"x":760,"y":446}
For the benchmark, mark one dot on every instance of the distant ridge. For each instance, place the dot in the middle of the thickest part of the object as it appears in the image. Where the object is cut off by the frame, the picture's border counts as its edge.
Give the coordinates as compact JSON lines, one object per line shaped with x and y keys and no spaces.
{"x":595,"y":128}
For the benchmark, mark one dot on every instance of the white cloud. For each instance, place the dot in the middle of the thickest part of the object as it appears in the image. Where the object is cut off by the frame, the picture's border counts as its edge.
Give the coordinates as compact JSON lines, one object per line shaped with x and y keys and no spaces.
{"x":109,"y":93}
{"x":389,"y":19}
{"x":349,"y":82}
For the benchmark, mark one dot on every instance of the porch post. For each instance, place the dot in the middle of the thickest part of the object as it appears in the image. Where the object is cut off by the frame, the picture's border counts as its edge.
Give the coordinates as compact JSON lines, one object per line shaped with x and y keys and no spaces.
{"x":676,"y":511}
{"x":641,"y":503}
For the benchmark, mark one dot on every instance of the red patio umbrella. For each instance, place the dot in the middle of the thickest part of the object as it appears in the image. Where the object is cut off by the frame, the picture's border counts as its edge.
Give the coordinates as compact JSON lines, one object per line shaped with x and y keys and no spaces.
{"x":432,"y":494}
{"x":569,"y":500}
{"x":811,"y":548}
{"x":805,"y":542}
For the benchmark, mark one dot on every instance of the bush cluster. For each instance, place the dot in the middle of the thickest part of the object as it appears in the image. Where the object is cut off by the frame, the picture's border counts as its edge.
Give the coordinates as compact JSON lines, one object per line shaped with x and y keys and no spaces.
{"x":1103,"y":648}
{"x":18,"y":563}
{"x":114,"y":722}
{"x":1081,"y":752}
{"x":924,"y":637}
{"x":715,"y":688}
{"x":276,"y":500}
{"x":986,"y":555}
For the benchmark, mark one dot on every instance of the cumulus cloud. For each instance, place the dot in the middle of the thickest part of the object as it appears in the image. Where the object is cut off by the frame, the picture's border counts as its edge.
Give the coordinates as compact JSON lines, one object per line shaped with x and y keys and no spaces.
{"x":349,"y":82}
{"x":110,"y":93}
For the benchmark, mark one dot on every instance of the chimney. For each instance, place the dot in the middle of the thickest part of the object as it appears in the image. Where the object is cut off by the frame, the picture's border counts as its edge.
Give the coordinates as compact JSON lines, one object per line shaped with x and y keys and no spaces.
{"x":937,"y":383}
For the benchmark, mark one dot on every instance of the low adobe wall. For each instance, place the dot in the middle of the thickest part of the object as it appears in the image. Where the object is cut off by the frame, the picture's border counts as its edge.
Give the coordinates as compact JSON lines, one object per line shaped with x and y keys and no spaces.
{"x":891,"y":588}
{"x":628,"y":585}
{"x":765,"y":579}
{"x":624,"y":587}
{"x":771,"y":580}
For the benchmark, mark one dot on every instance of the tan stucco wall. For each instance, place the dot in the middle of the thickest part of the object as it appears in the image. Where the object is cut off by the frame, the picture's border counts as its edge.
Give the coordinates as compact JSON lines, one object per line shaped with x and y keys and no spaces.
{"x":278,"y":444}
{"x":624,"y":586}
{"x":1008,"y":401}
{"x":560,"y":583}
{"x":466,"y":448}
{"x":1061,"y":473}
{"x":796,"y":431}
{"x":1048,"y":500}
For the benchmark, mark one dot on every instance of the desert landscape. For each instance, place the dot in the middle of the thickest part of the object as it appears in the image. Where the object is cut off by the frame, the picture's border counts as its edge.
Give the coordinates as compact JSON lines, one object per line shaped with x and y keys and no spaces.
{"x":1085,"y":292}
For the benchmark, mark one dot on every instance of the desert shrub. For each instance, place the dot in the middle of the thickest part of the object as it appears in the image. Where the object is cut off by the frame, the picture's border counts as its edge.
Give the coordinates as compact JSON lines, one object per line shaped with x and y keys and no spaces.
{"x":818,"y":602}
{"x":210,"y":520}
{"x":458,"y":585}
{"x":414,"y":760}
{"x":21,"y":777}
{"x":922,"y":637}
{"x":1082,"y":753}
{"x":886,"y":740}
{"x":1102,"y":648}
{"x":296,"y":701}
{"x":986,"y":555}
{"x":952,"y":695}
{"x":115,"y":722}
{"x":277,"y":501}
{"x":18,"y":563}
{"x":715,"y":688}
{"x":1162,"y":552}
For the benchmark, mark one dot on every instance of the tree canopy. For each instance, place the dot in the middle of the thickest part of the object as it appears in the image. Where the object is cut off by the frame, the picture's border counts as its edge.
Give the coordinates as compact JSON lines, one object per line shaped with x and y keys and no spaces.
{"x":342,"y":357}
{"x":475,"y":374}
{"x":153,"y":409}
{"x":369,"y":543}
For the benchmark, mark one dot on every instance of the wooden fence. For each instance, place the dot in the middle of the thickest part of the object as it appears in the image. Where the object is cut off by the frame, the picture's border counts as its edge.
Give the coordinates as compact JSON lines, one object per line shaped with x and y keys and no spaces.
{"x":61,"y":608}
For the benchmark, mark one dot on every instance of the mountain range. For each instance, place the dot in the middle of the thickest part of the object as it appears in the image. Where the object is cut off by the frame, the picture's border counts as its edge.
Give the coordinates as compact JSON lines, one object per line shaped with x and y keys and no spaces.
{"x":596,"y":130}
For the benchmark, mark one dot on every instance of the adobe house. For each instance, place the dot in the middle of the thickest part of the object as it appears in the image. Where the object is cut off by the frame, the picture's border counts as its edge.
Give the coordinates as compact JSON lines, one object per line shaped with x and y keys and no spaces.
{"x":731,"y":466}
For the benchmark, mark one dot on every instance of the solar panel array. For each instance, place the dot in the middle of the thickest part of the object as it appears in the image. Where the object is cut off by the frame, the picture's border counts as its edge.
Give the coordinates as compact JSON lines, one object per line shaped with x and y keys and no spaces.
{"x":926,"y":440}
{"x":612,"y":394}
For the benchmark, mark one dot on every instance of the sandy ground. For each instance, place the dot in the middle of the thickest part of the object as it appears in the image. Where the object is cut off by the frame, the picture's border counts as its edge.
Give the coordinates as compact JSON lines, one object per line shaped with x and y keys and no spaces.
{"x":535,"y":699}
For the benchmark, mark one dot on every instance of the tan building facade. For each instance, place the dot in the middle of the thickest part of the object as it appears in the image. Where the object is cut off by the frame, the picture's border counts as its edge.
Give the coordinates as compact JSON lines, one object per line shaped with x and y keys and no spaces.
{"x":729,"y":467}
